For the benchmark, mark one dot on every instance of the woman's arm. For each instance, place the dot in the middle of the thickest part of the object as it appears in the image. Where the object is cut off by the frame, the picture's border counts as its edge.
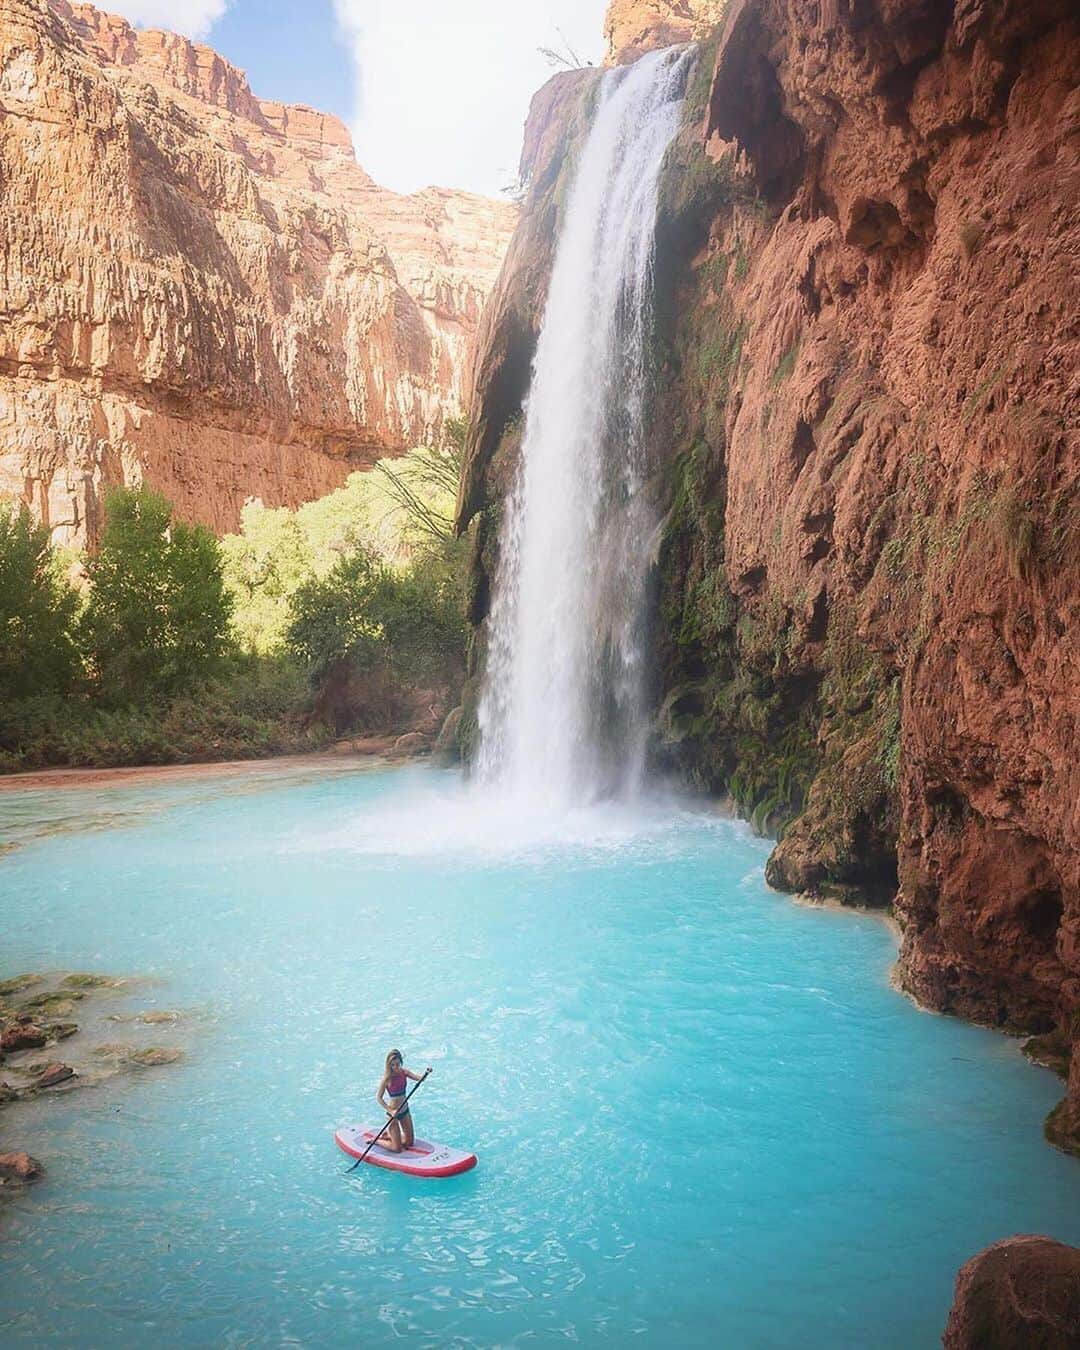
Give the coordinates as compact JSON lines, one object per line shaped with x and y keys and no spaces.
{"x":416,"y":1077}
{"x":381,"y":1090}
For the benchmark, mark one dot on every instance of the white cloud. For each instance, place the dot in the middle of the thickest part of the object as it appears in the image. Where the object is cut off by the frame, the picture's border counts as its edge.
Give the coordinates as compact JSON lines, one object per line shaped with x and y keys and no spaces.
{"x":194,"y":18}
{"x":444,"y":85}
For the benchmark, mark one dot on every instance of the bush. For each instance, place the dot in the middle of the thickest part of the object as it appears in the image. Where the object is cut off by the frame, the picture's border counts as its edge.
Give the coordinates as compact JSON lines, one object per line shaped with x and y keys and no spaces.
{"x":37,"y":611}
{"x":375,"y":639}
{"x":368,"y":615}
{"x":256,"y":707}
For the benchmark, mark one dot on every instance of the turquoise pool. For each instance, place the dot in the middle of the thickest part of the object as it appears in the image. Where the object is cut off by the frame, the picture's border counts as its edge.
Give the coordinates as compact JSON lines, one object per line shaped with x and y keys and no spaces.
{"x":703,"y":1115}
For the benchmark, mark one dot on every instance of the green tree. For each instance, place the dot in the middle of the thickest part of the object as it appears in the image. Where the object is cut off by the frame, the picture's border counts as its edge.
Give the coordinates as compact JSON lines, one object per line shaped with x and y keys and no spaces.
{"x":264,"y":565}
{"x":364,"y":613}
{"x":334,"y":618}
{"x":157,"y":621}
{"x":37,"y":611}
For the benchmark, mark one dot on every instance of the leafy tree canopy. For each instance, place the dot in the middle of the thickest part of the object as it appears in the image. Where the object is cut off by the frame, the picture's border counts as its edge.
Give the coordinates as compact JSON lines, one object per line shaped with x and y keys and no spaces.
{"x":157,"y":620}
{"x":37,"y":610}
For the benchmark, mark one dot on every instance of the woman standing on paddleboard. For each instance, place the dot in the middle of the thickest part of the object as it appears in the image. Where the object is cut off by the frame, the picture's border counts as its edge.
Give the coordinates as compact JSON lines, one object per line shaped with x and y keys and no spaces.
{"x":398,"y":1133}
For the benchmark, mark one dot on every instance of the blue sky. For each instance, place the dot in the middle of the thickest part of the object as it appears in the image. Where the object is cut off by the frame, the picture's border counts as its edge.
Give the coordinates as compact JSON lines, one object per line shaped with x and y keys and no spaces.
{"x":435,"y":91}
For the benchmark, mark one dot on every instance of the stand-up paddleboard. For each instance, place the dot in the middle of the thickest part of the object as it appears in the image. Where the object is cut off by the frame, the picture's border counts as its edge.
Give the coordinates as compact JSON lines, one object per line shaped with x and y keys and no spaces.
{"x":422,"y":1160}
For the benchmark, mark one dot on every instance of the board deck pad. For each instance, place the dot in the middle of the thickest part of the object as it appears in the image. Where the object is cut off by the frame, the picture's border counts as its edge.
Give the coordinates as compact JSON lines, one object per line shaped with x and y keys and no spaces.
{"x":422,"y":1160}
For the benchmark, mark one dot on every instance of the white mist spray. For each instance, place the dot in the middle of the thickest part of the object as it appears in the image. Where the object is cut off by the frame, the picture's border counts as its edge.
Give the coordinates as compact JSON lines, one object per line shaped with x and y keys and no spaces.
{"x":562,"y":715}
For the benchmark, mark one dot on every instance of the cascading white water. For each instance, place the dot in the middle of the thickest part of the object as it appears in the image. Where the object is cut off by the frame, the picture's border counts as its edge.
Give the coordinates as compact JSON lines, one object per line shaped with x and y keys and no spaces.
{"x":562,"y":715}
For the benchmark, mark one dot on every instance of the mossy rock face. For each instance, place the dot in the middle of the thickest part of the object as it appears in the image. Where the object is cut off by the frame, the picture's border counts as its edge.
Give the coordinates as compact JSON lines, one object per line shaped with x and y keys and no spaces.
{"x":447,"y":748}
{"x":154,"y":1055}
{"x":1052,"y":1050}
{"x":148,"y":1057}
{"x":18,"y":983}
{"x":56,"y":1003}
{"x":1057,"y":1130}
{"x":80,"y":980}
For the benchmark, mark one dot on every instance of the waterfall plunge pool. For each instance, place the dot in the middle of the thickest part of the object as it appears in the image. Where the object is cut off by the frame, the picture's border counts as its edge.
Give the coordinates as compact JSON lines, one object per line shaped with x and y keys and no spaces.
{"x":703,"y":1115}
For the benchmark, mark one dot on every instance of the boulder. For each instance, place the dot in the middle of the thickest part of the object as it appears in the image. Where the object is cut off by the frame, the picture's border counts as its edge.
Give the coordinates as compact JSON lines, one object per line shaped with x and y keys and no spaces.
{"x":22,"y":1036}
{"x":1022,"y":1293}
{"x":53,"y":1075}
{"x":19,"y":1167}
{"x":412,"y":743}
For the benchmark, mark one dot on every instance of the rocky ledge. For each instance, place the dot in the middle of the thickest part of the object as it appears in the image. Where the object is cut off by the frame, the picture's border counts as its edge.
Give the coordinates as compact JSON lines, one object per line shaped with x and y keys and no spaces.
{"x":37,"y":1012}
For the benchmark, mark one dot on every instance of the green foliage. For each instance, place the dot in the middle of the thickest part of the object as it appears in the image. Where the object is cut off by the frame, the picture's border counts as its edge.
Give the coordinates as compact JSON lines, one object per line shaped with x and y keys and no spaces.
{"x":424,"y":486}
{"x":785,"y":367}
{"x":366,"y":614}
{"x":157,"y":620}
{"x":37,"y":611}
{"x":889,"y":740}
{"x":1019,"y":528}
{"x":972,"y":233}
{"x":719,"y":356}
{"x":334,"y":617}
{"x":191,"y":649}
{"x":263,"y":567}
{"x":256,"y":706}
{"x":396,"y":513}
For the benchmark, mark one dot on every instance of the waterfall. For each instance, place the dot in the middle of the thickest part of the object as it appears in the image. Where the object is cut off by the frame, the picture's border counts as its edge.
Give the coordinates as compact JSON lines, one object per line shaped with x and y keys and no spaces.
{"x":562,"y":712}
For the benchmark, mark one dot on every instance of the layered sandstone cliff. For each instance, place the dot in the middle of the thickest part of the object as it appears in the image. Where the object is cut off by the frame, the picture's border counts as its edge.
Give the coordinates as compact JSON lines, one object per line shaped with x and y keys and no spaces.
{"x":203,"y":289}
{"x":867,"y":428}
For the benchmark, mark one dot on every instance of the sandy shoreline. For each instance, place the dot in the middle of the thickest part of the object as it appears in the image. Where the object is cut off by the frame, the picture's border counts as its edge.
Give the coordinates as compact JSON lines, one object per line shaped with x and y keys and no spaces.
{"x":342,"y":757}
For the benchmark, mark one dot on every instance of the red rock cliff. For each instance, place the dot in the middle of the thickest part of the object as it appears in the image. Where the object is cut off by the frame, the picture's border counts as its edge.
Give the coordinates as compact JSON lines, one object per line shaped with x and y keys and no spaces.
{"x":634,"y":27}
{"x":202,"y":288}
{"x":869,"y":418}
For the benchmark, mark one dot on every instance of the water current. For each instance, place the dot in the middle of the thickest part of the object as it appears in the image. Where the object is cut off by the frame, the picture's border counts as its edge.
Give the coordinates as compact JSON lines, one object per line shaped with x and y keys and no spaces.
{"x":702,"y":1114}
{"x":563,"y":713}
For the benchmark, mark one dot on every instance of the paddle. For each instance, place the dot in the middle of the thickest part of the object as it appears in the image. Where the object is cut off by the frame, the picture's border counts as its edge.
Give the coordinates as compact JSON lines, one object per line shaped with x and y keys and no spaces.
{"x":397,"y":1113}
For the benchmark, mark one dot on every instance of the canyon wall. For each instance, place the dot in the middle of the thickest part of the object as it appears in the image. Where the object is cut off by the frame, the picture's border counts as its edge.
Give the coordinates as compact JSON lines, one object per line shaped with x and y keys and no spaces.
{"x":867,"y":435}
{"x":203,"y":289}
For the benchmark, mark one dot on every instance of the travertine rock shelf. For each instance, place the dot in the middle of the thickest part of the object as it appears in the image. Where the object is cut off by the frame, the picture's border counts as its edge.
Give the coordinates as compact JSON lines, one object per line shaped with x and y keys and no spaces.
{"x":203,"y":289}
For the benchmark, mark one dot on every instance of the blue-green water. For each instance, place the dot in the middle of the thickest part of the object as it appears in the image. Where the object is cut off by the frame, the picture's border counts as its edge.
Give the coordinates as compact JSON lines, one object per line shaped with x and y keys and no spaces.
{"x":702,"y":1114}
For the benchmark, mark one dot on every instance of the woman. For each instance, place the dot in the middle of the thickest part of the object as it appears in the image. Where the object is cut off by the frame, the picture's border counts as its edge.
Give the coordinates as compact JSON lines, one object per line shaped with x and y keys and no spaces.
{"x":398,"y":1133}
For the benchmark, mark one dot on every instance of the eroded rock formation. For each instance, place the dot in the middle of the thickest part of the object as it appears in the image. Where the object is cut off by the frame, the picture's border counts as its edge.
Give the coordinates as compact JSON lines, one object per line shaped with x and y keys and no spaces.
{"x":634,"y":27}
{"x":202,"y":288}
{"x":867,"y":428}
{"x":1021,"y":1292}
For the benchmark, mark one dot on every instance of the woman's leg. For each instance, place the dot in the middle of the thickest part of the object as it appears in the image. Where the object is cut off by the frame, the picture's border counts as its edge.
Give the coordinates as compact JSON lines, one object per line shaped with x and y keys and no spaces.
{"x":391,"y":1137}
{"x":406,"y":1129}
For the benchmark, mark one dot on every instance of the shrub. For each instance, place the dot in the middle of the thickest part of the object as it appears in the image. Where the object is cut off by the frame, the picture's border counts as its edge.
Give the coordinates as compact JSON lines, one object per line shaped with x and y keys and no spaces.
{"x":366,"y":614}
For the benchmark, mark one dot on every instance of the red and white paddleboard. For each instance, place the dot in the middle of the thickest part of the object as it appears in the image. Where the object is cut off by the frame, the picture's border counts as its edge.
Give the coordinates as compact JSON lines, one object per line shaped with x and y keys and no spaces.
{"x":422,"y":1160}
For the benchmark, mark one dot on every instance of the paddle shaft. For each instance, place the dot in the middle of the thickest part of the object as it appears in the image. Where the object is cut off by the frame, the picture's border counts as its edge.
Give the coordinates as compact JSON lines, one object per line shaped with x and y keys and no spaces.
{"x":386,"y":1126}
